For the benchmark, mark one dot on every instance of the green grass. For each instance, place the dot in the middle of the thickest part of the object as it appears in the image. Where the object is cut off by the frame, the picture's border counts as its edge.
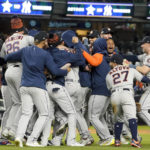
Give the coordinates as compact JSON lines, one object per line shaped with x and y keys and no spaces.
{"x":144,"y":132}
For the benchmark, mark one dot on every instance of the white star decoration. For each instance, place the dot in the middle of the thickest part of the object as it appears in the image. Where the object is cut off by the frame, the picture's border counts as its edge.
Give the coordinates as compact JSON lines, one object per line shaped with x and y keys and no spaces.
{"x":90,"y":10}
{"x":6,"y":6}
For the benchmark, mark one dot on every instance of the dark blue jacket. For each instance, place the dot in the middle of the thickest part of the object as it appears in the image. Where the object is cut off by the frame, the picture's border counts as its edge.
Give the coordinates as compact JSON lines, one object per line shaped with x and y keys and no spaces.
{"x":61,"y":57}
{"x":99,"y":79}
{"x":84,"y":76}
{"x":3,"y":76}
{"x":99,"y":73}
{"x":34,"y":61}
{"x":2,"y":63}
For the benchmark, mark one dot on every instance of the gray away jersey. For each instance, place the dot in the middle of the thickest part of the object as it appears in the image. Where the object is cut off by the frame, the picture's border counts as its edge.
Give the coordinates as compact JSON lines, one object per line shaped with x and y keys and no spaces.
{"x":16,"y":42}
{"x":142,"y":57}
{"x":146,"y":62}
{"x":122,"y":77}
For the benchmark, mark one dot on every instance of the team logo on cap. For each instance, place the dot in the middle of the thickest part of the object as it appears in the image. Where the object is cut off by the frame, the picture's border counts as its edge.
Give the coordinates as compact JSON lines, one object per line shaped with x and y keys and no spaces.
{"x":91,"y":32}
{"x":108,"y":29}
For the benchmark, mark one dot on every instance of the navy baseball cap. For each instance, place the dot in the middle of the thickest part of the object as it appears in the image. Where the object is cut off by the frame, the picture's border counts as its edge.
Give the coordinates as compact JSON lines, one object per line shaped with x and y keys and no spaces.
{"x":93,"y":34}
{"x":67,"y":37}
{"x":146,"y":39}
{"x":116,"y":58}
{"x":40,"y":36}
{"x":106,"y":31}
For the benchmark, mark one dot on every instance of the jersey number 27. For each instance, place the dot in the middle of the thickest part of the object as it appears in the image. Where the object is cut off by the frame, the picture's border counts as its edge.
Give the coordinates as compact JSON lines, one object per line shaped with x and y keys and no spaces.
{"x":117,"y":79}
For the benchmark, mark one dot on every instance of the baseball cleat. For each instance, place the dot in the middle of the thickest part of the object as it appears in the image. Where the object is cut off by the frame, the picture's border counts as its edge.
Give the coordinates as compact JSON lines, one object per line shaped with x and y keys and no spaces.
{"x":33,"y":144}
{"x":124,"y":141}
{"x":49,"y":143}
{"x":139,"y":138}
{"x":86,"y":141}
{"x":91,"y":138}
{"x":74,"y":144}
{"x":56,"y":141}
{"x":135,"y":144}
{"x":11,"y":135}
{"x":18,"y":142}
{"x":5,"y":133}
{"x":117,"y":143}
{"x":61,"y":129}
{"x":109,"y":141}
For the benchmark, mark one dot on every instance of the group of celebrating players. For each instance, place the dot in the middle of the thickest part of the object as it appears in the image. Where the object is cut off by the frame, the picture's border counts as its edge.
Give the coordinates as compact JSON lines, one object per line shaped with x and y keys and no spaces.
{"x":56,"y":79}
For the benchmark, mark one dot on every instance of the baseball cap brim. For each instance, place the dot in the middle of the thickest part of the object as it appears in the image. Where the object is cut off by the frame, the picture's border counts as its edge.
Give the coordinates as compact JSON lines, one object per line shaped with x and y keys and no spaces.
{"x":116,"y":59}
{"x":92,"y":36}
{"x":106,"y":31}
{"x":40,"y":36}
{"x":146,"y":39}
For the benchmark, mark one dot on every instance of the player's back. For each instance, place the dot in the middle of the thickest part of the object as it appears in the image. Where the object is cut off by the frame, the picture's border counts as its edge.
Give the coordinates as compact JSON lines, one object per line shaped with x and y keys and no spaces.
{"x":33,"y":60}
{"x":15,"y":42}
{"x":146,"y":62}
{"x":120,"y":77}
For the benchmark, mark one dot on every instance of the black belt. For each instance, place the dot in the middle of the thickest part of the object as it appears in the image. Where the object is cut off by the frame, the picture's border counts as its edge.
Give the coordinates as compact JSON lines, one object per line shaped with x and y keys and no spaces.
{"x":71,"y":80}
{"x":48,"y":79}
{"x":124,"y":89}
{"x":16,"y":66}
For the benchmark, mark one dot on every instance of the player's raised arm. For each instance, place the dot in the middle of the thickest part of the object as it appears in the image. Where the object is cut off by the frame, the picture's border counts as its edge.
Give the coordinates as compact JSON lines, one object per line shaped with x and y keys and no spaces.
{"x":94,"y":60}
{"x":99,"y":48}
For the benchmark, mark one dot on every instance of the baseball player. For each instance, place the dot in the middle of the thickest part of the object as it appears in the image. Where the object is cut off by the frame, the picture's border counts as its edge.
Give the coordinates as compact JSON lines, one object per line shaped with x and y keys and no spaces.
{"x":120,"y":82}
{"x":111,"y":47}
{"x":73,"y":83}
{"x":13,"y":73}
{"x":6,"y":101}
{"x":59,"y":93}
{"x":5,"y":93}
{"x":99,"y":99}
{"x":144,"y":68}
{"x":33,"y":88}
{"x":92,"y":36}
{"x":106,"y":33}
{"x":85,"y":76}
{"x":109,"y":114}
{"x":74,"y":89}
{"x":85,"y":82}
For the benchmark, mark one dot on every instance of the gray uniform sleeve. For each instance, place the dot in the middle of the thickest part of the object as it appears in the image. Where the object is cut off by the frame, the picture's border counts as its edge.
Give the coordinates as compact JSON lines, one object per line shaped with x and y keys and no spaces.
{"x":2,"y":53}
{"x":146,"y":61}
{"x":137,"y":75}
{"x":30,"y":40}
{"x":141,"y":57}
{"x":108,"y":82}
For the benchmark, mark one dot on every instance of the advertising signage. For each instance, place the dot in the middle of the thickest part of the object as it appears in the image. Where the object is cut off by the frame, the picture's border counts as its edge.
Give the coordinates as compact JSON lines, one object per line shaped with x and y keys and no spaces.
{"x":26,"y":7}
{"x":106,"y":10}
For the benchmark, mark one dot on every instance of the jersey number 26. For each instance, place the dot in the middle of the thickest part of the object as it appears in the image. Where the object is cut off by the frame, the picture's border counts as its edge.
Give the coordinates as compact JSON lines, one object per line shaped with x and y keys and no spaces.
{"x":12,"y":47}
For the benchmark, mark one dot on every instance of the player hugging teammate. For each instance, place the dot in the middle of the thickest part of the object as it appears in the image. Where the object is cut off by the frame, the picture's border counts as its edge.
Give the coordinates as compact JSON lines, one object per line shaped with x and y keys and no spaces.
{"x":54,"y":79}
